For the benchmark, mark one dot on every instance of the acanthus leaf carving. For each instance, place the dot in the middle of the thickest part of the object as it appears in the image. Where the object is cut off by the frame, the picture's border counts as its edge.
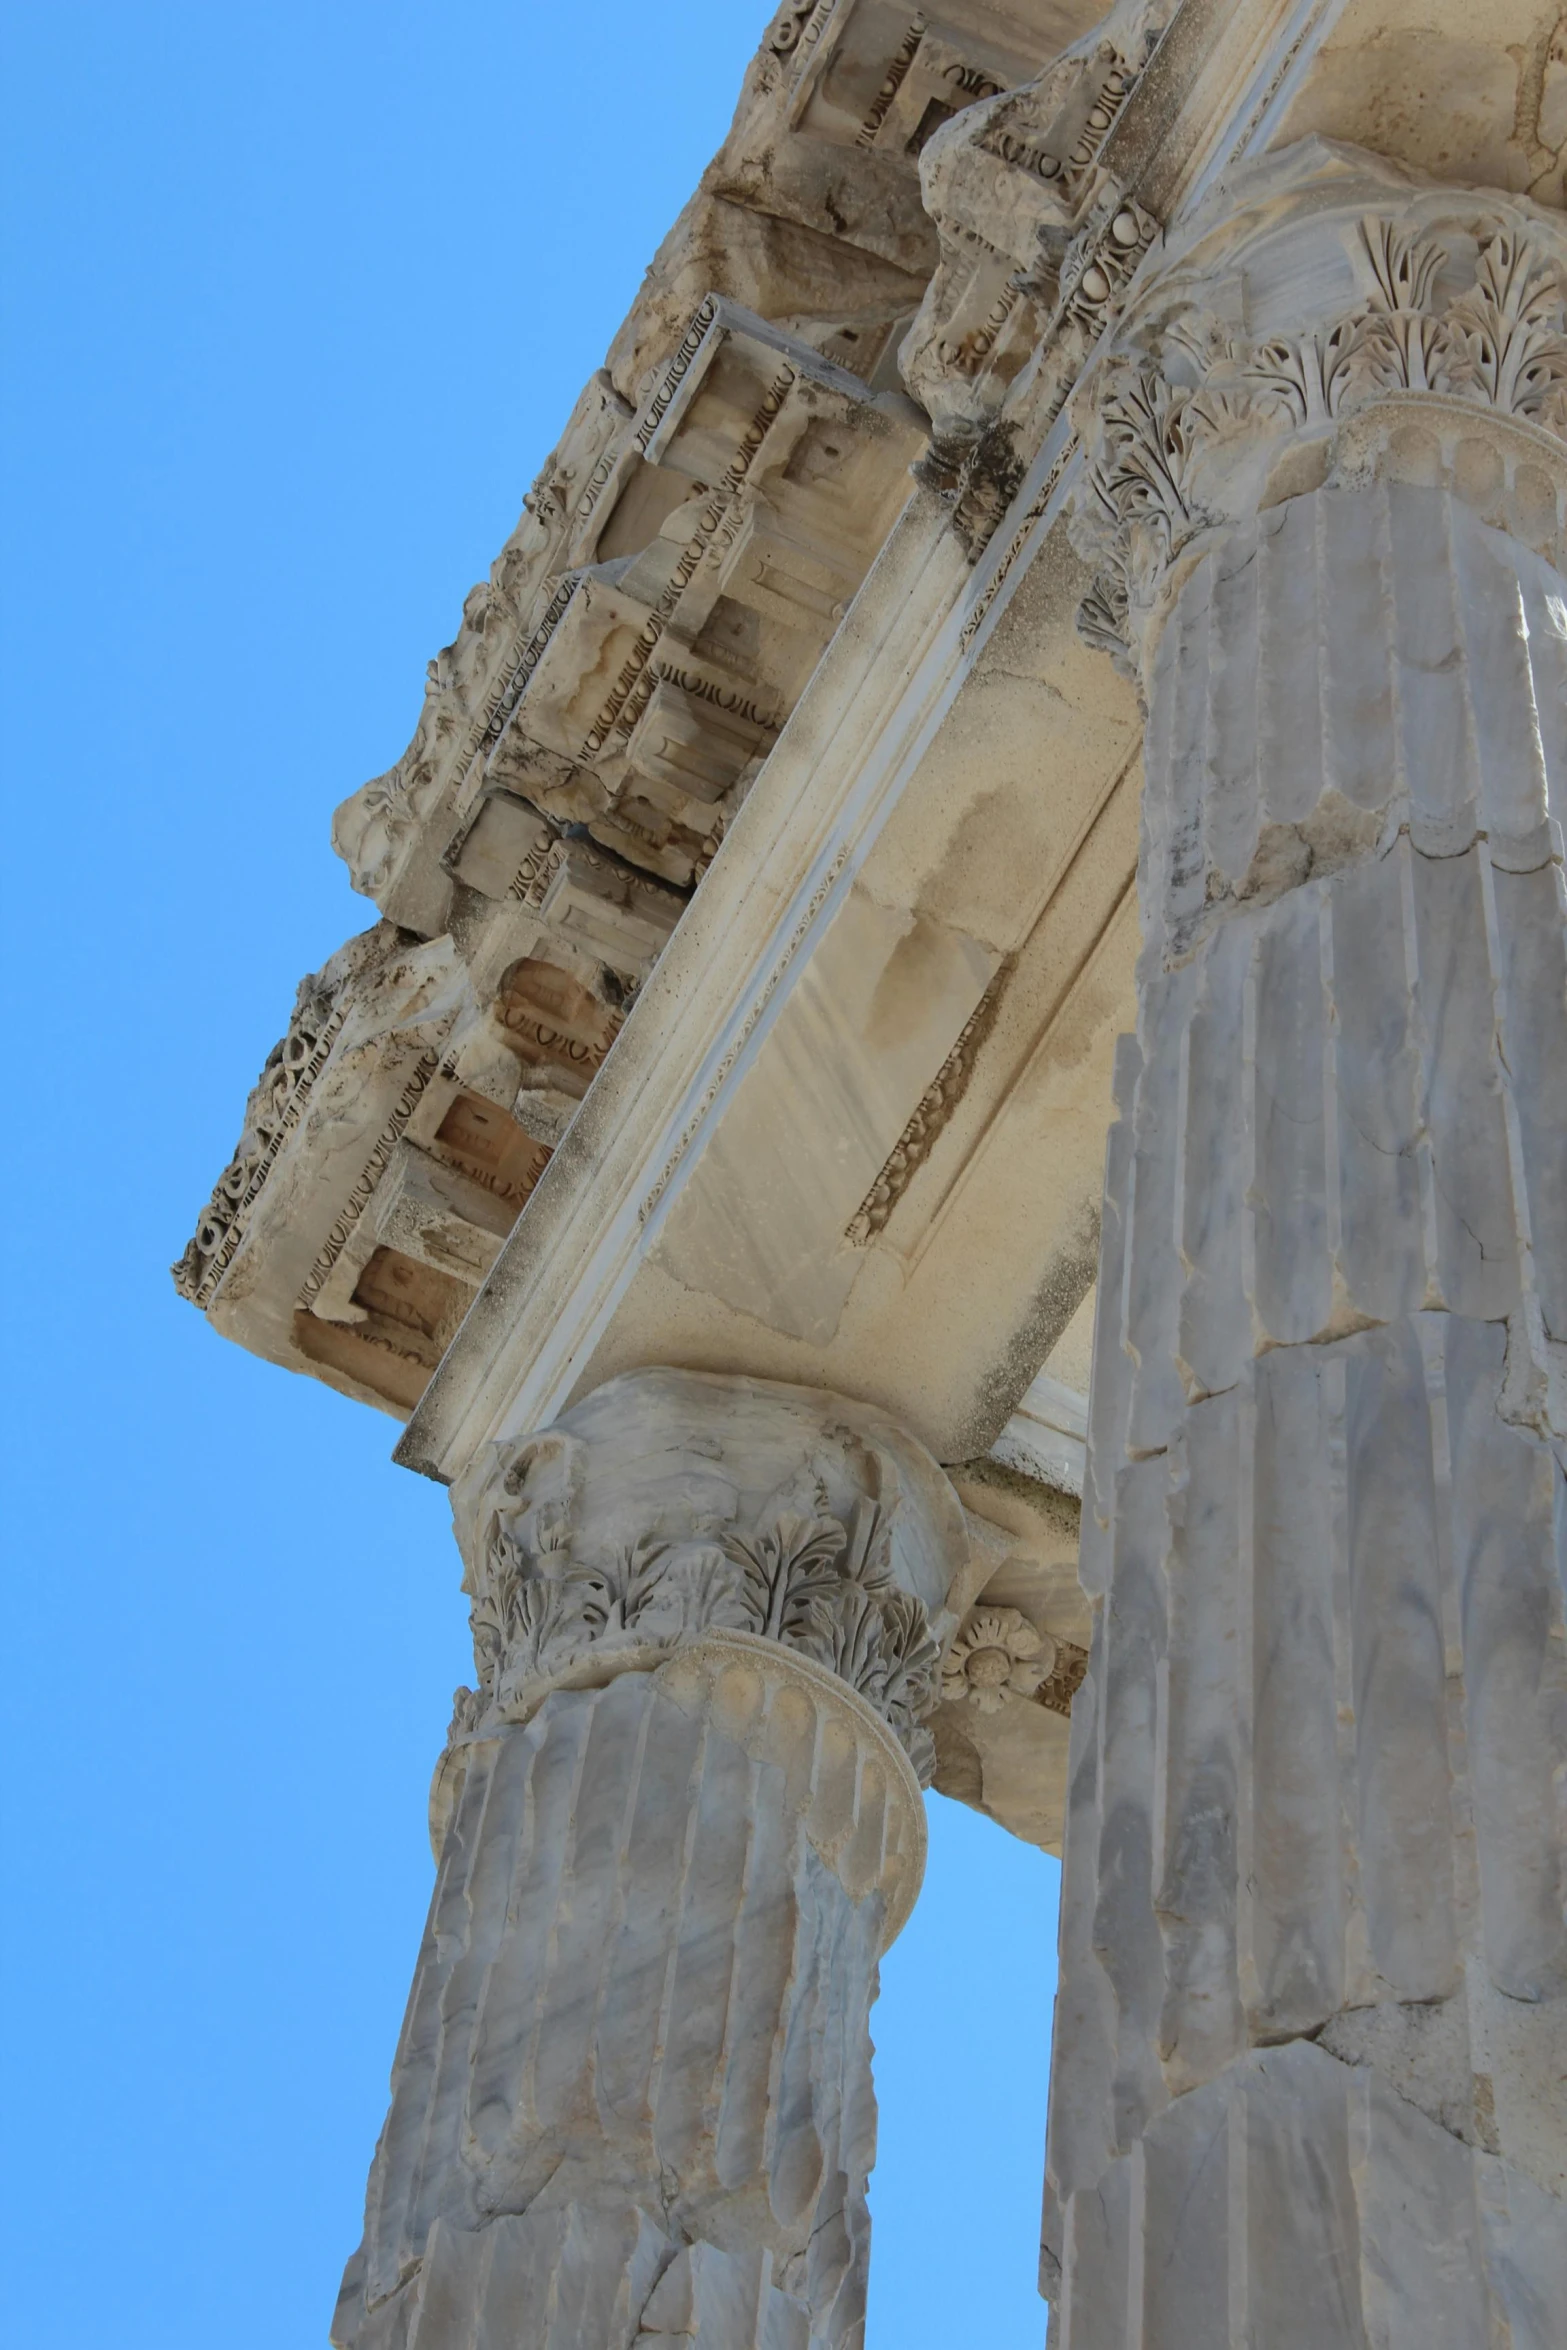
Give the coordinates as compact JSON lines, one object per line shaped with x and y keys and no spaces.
{"x":1463,"y":299}
{"x":811,"y":1583}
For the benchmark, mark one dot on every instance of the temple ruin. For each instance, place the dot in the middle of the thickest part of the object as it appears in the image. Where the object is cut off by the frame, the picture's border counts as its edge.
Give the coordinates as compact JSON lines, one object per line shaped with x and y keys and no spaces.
{"x":1001,"y":809}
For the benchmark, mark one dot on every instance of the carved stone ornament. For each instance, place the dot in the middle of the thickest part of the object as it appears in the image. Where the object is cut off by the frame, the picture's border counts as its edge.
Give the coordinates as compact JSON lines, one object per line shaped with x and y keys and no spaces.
{"x":1312,"y":288}
{"x":672,"y":1507}
{"x":934,"y":1107}
{"x":1036,"y":234}
{"x":273,"y":1111}
{"x":997,"y":1654}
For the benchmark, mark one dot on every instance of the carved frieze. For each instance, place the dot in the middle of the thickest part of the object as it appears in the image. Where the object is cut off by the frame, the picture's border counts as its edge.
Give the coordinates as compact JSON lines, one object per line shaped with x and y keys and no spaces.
{"x":383,"y":1161}
{"x":1318,"y":286}
{"x":730,"y":536}
{"x":883,"y":79}
{"x":272,"y":1113}
{"x":1068,"y":1669}
{"x":718,"y":536}
{"x":935,"y":1106}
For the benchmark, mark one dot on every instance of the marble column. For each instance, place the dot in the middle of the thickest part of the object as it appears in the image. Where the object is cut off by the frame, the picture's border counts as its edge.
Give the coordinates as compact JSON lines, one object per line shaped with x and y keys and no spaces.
{"x":1310,"y":2084}
{"x":677,"y":1822}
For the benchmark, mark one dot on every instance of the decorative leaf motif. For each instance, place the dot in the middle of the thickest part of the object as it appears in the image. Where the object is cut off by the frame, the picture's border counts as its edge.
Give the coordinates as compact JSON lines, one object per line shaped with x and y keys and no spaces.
{"x":1304,"y":375}
{"x":1509,"y":329}
{"x":468,"y":1706}
{"x":847,"y":1634}
{"x":707,"y":1594}
{"x":808,"y":1582}
{"x":621,"y":1592}
{"x":867,"y":1559}
{"x":542,"y":1618}
{"x":1146,"y":453}
{"x":1404,"y":266}
{"x":1502,"y":342}
{"x":913,"y":1661}
{"x":784,"y":1568}
{"x":1102,"y":619}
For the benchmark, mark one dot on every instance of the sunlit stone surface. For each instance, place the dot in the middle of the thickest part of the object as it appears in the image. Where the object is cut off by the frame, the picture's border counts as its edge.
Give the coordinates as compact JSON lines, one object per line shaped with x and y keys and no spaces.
{"x":678,"y":1819}
{"x":1316,"y":1959}
{"x":1007,"y":786}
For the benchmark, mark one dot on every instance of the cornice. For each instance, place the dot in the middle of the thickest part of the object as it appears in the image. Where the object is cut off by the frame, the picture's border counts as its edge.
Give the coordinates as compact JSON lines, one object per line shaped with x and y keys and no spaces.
{"x":887,"y":681}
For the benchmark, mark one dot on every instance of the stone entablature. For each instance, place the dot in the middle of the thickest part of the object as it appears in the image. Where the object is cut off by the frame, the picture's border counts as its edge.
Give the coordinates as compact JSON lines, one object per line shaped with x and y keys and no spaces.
{"x":721,"y":490}
{"x":1299,"y":412}
{"x":395,"y":1136}
{"x":730,"y":525}
{"x":1037,"y":231}
{"x":836,"y":274}
{"x":884,"y":80}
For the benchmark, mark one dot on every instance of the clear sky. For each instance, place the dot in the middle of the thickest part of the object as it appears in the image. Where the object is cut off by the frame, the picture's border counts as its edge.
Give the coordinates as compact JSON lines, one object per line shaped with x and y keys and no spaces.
{"x":297,"y":298}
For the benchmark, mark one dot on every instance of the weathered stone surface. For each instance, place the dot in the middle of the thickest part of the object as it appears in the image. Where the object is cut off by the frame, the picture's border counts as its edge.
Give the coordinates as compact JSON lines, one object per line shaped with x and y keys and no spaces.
{"x":684,"y":556}
{"x":1318,"y":1759}
{"x":1304,"y":1718}
{"x":1023,"y":201}
{"x":1012,"y":1671}
{"x":676,"y":1825}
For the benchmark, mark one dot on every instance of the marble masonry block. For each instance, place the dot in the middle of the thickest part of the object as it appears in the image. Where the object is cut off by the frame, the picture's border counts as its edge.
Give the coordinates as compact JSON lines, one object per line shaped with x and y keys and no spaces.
{"x":1299,"y":2201}
{"x":788,"y":787}
{"x":1015,"y":1663}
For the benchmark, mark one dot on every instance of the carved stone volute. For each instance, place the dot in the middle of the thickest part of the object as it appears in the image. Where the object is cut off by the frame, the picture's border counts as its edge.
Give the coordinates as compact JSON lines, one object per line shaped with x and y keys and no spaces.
{"x":674,"y":1507}
{"x":1322,"y":317}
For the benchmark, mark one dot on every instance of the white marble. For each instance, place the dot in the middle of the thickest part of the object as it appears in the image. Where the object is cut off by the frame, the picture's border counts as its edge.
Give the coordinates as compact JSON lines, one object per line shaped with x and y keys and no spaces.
{"x":1312,"y":2029}
{"x":678,"y":1823}
{"x":759,"y":897}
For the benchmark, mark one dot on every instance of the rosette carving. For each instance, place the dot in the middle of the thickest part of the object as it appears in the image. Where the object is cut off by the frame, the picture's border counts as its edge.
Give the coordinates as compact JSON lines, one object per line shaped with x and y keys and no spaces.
{"x":997,"y":1654}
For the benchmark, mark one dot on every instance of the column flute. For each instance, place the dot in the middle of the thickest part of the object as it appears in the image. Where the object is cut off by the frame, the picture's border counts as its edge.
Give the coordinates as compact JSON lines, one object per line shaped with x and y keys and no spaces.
{"x":677,"y":1822}
{"x":1312,"y":2036}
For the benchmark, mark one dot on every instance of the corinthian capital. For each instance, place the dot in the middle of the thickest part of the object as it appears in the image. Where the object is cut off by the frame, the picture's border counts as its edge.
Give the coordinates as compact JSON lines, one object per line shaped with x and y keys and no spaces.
{"x":673,"y":1508}
{"x":1324,"y":317}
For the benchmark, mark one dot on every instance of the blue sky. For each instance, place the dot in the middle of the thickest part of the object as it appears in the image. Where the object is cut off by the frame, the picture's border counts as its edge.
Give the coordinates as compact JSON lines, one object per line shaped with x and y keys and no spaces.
{"x":296,"y":301}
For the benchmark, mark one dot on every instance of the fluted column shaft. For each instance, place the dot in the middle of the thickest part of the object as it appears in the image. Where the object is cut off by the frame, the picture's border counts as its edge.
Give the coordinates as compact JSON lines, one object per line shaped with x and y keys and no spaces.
{"x":1312,"y":2033}
{"x":678,"y":1823}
